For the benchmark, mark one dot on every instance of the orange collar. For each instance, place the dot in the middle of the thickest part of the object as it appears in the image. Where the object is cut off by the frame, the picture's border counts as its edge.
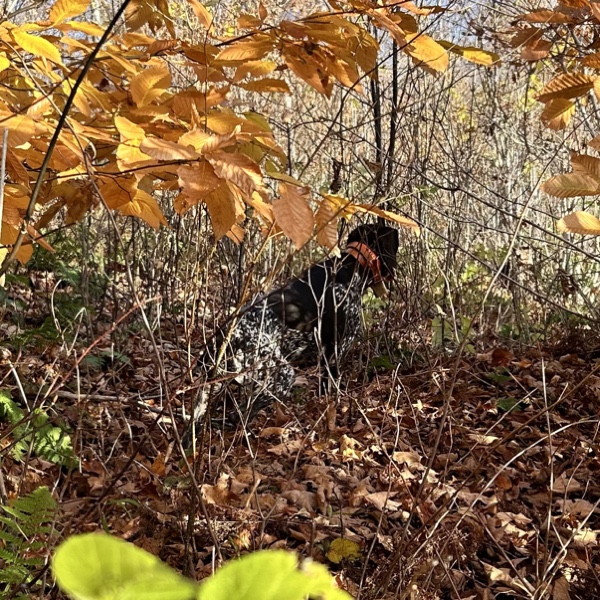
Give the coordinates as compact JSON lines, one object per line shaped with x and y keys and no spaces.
{"x":366,"y":258}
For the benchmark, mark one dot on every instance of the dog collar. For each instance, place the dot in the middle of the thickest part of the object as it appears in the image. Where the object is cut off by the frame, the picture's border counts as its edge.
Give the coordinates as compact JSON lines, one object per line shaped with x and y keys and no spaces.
{"x":366,"y":258}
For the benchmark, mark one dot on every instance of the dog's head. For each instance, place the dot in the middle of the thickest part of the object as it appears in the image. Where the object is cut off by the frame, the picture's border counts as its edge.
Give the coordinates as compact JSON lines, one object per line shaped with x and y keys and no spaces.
{"x":383,"y":242}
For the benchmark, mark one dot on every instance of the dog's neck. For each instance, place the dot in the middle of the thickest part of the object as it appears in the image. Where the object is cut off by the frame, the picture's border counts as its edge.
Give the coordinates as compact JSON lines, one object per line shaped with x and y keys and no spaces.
{"x":367,"y":259}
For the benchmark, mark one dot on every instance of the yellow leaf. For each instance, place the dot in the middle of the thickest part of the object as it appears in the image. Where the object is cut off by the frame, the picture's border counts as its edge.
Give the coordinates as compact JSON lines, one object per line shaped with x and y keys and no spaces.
{"x":261,"y":207}
{"x":87,"y":28}
{"x":129,"y":131}
{"x":571,"y":185}
{"x":326,"y":221}
{"x":579,"y":222}
{"x":426,"y":50}
{"x":36,"y":45}
{"x":202,"y":13}
{"x":568,"y":85}
{"x":67,"y":9}
{"x":8,"y":237}
{"x":267,"y":84}
{"x":293,"y":213}
{"x":341,"y":549}
{"x":4,"y":63}
{"x":557,"y":113}
{"x":238,"y":169}
{"x":274,"y":174}
{"x":221,"y":208}
{"x":144,"y":206}
{"x":166,"y":150}
{"x":149,"y":85}
{"x":472,"y":54}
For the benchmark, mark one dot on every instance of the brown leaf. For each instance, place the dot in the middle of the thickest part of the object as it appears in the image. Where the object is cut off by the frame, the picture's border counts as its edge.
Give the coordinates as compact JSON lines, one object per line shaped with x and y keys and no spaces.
{"x":326,"y":221}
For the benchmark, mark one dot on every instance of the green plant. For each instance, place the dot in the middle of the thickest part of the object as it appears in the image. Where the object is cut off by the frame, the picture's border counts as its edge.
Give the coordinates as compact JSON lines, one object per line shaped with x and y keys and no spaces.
{"x":101,"y":567}
{"x":45,"y":440}
{"x":25,"y":534}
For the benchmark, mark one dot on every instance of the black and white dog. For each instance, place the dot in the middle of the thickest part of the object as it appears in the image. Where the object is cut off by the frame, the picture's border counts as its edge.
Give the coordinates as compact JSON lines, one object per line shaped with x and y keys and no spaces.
{"x":313,"y":320}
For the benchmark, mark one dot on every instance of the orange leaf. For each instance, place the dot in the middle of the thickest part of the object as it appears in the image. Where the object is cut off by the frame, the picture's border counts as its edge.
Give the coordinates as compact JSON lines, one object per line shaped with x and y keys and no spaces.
{"x":20,"y":129}
{"x":326,"y":221}
{"x":243,"y":51}
{"x":568,"y":85}
{"x":238,"y":169}
{"x":222,"y":210}
{"x":149,"y":85}
{"x":144,"y":206}
{"x":267,"y":84}
{"x":536,"y":50}
{"x":571,"y":185}
{"x":579,"y":222}
{"x":254,"y":68}
{"x":293,"y":213}
{"x":202,"y":13}
{"x":557,"y":113}
{"x":472,"y":54}
{"x":197,"y":181}
{"x":166,"y":150}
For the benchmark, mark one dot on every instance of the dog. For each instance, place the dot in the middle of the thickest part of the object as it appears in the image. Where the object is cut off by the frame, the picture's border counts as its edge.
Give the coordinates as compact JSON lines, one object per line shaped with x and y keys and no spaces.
{"x":314,"y":319}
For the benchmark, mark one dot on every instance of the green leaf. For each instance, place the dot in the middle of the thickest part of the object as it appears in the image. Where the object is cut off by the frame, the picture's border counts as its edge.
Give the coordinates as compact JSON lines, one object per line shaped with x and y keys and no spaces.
{"x":270,"y":575}
{"x":100,"y":567}
{"x":509,"y":403}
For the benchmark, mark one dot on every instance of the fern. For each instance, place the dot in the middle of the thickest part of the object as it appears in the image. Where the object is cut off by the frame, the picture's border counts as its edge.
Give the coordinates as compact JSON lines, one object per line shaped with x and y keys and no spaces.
{"x":46,"y":441}
{"x":26,"y":533}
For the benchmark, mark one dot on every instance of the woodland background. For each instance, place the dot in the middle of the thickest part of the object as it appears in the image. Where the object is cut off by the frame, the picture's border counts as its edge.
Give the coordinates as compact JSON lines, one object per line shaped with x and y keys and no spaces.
{"x":163,"y":162}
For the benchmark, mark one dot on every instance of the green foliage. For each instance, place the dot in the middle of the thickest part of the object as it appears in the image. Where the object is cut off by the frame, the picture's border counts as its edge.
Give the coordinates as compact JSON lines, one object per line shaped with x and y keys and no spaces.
{"x":45,"y":440}
{"x":100,"y":567}
{"x":25,"y":534}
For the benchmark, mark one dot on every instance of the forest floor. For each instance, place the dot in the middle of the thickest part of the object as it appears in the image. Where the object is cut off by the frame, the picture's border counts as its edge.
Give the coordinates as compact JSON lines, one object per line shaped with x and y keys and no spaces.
{"x":468,"y":478}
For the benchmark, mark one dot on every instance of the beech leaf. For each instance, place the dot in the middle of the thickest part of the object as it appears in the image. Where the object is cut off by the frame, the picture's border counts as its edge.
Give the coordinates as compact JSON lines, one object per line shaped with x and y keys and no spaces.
{"x":579,"y":222}
{"x":293,"y":213}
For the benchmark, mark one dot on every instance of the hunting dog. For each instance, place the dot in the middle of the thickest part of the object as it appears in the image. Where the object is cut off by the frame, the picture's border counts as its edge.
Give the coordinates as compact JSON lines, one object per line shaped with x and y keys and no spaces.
{"x":312,"y":320}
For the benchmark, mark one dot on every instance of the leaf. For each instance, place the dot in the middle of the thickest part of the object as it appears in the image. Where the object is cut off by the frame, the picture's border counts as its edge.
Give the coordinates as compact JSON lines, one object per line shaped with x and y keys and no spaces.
{"x":579,"y":222}
{"x":473,"y":54}
{"x":202,"y":13}
{"x":341,"y":549}
{"x":243,"y":51}
{"x":144,"y":206}
{"x":254,"y":68}
{"x":293,"y":213}
{"x":536,"y":50}
{"x":166,"y":150}
{"x":21,"y":129}
{"x":568,"y":85}
{"x":558,"y":113}
{"x":326,"y":220}
{"x":570,"y":185}
{"x":388,"y":215}
{"x":545,"y":16}
{"x":270,"y":575}
{"x":238,"y":169}
{"x":149,"y":85}
{"x":36,"y":45}
{"x":197,"y":181}
{"x":424,"y":49}
{"x":67,"y":9}
{"x":96,"y":567}
{"x":266,"y":85}
{"x":584,"y":163}
{"x":221,"y":206}
{"x":129,"y":131}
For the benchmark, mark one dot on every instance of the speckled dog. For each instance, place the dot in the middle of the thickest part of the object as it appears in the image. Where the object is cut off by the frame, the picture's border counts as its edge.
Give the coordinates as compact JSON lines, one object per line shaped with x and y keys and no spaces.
{"x":313,"y":319}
